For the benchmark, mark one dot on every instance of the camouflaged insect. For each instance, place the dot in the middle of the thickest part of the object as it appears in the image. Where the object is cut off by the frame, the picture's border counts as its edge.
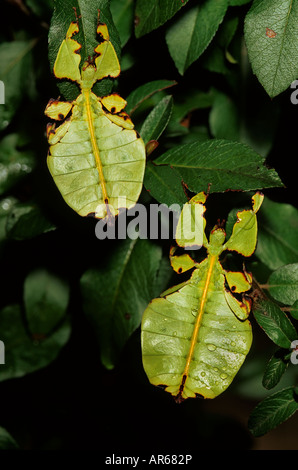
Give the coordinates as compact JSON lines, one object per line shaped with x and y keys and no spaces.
{"x":96,"y":158}
{"x":197,"y":335}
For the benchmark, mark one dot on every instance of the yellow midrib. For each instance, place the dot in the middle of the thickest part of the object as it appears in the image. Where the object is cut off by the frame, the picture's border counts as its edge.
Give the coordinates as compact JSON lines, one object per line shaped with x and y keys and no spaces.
{"x":95,"y":148}
{"x":198,"y":322}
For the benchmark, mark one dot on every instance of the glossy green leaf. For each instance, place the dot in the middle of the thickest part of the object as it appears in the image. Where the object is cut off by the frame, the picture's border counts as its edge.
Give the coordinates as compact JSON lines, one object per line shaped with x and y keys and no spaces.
{"x":183,"y":110}
{"x":15,"y":164}
{"x":226,"y":31}
{"x":157,"y":120}
{"x":46,"y":298}
{"x":259,"y":123}
{"x":164,"y":185}
{"x":277,"y":241}
{"x":6,"y":206}
{"x":23,"y":353}
{"x":271,"y":35}
{"x":196,"y":336}
{"x":7,"y":442}
{"x":96,"y":158}
{"x":15,"y":62}
{"x":116,"y":294}
{"x":123,"y":16}
{"x":127,"y":61}
{"x":283,"y":284}
{"x":274,"y":322}
{"x":218,"y":58}
{"x":190,"y":35}
{"x":220,"y":164}
{"x":224,"y":118}
{"x":27,"y":220}
{"x":191,"y":101}
{"x":143,"y":92}
{"x":275,"y":368}
{"x":41,"y":8}
{"x":294,"y":310}
{"x":151,"y":15}
{"x":272,"y":411}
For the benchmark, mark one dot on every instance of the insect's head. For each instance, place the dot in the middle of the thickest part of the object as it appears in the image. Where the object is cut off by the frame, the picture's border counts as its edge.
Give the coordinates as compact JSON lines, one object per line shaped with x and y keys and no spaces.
{"x":216,"y":240}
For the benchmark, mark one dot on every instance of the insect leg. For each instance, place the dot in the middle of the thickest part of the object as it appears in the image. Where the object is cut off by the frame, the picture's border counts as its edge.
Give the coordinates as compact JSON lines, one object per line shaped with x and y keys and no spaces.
{"x":58,"y":110}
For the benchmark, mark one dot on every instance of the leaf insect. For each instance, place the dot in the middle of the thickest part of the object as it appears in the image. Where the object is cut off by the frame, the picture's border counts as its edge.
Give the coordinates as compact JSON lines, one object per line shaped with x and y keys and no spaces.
{"x":196,"y":336}
{"x":96,"y":158}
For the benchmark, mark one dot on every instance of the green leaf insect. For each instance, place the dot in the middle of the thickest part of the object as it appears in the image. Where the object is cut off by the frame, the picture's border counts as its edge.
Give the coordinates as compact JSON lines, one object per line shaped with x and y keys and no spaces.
{"x":196,"y":336}
{"x":96,"y":158}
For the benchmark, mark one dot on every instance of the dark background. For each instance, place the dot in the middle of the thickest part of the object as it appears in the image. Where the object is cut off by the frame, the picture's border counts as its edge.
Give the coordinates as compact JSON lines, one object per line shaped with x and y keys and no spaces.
{"x":75,"y":403}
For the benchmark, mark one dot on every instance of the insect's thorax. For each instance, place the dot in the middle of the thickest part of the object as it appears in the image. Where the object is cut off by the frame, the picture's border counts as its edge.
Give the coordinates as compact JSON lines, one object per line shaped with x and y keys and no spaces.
{"x":209,"y":271}
{"x":86,"y":103}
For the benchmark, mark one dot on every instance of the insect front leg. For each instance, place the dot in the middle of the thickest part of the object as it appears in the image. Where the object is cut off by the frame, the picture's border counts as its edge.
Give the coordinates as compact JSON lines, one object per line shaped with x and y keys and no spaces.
{"x":181,"y":263}
{"x":238,"y":282}
{"x":240,"y":308}
{"x":114,"y":103}
{"x":54,"y":134}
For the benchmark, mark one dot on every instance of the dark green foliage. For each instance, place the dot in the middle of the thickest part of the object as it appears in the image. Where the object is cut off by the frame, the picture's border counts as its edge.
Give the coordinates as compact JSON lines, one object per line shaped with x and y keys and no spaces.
{"x":222,"y":121}
{"x":275,"y":323}
{"x":121,"y":288}
{"x":273,"y":410}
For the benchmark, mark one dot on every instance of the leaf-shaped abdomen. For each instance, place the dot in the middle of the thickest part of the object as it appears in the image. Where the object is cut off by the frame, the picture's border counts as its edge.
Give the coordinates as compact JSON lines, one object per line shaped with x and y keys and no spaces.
{"x":221,"y":344}
{"x":97,"y":162}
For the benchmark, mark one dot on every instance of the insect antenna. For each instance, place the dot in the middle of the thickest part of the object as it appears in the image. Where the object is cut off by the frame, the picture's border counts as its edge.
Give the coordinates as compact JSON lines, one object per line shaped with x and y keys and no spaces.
{"x":186,"y":190}
{"x":76,"y":14}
